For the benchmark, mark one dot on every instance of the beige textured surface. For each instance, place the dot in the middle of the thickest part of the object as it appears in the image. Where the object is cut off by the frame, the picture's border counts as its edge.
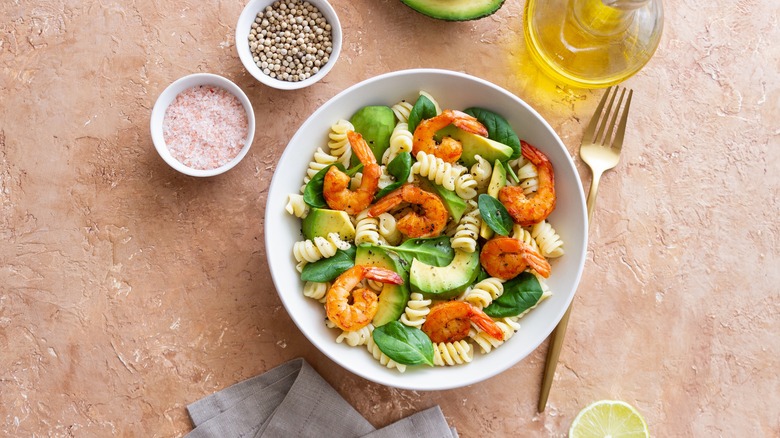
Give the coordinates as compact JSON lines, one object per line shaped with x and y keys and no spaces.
{"x":128,"y":290}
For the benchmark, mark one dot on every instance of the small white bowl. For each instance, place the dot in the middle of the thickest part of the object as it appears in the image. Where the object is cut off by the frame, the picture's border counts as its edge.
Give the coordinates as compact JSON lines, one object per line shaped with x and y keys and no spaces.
{"x":167,"y":97}
{"x":244,"y":25}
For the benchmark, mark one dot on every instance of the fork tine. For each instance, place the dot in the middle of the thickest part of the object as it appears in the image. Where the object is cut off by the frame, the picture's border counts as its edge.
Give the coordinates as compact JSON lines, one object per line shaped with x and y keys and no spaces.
{"x":599,"y":138}
{"x":618,"y":143}
{"x":591,"y":129}
{"x":612,"y":121}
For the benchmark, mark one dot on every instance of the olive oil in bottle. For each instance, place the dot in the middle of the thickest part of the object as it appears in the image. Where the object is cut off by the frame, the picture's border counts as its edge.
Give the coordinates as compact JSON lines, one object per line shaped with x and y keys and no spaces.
{"x":592,"y":43}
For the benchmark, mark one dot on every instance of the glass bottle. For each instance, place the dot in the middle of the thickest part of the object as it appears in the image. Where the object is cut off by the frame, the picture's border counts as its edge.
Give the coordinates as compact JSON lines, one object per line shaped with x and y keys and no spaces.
{"x":592,"y":43}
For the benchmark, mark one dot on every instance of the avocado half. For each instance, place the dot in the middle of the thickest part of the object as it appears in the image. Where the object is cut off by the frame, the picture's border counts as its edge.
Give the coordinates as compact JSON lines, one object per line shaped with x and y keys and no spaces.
{"x":455,"y":10}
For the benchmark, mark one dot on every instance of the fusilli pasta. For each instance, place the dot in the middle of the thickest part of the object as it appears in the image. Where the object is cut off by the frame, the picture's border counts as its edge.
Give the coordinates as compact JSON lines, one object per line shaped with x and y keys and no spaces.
{"x":467,"y":232}
{"x":401,"y":140}
{"x":388,"y":230}
{"x":316,"y":290}
{"x":481,"y":171}
{"x":366,"y":229}
{"x":339,"y":143}
{"x":451,"y":177}
{"x":486,"y":342}
{"x":296,"y":206}
{"x":550,"y":243}
{"x":417,"y":308}
{"x":318,"y":248}
{"x":484,"y":292}
{"x":402,"y":110}
{"x":452,"y":353}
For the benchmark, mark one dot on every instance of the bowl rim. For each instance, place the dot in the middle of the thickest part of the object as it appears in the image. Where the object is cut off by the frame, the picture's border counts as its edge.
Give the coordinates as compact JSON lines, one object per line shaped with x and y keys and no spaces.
{"x":400,"y":383}
{"x":245,"y":20}
{"x":167,"y":96}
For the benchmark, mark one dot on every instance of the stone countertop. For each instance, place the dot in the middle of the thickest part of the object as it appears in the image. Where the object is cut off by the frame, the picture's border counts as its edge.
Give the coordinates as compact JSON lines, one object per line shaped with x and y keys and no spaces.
{"x":128,"y":291}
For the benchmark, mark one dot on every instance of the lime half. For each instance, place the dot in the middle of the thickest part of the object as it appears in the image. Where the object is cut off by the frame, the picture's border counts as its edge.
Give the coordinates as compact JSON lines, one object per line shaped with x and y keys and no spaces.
{"x":609,"y":419}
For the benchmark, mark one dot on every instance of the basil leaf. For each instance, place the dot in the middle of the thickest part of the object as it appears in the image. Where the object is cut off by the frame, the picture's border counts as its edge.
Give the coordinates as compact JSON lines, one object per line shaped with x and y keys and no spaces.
{"x":498,"y":129}
{"x":495,"y":215}
{"x":435,"y":251}
{"x":422,"y":109}
{"x":520,"y":294}
{"x":400,"y":167}
{"x":330,"y":268}
{"x":405,"y":345}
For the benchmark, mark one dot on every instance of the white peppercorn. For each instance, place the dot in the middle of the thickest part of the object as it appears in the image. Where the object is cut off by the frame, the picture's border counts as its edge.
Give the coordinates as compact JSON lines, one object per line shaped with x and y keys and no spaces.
{"x":290,"y":40}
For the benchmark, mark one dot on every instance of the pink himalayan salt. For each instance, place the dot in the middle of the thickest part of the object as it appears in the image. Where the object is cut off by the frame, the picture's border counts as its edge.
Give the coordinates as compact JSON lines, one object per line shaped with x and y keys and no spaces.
{"x":205,"y":127}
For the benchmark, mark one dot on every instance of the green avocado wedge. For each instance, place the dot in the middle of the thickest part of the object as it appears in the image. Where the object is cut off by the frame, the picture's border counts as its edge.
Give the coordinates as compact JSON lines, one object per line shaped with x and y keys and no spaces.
{"x":474,"y":144}
{"x":392,"y":300}
{"x":445,"y":282}
{"x":455,"y":10}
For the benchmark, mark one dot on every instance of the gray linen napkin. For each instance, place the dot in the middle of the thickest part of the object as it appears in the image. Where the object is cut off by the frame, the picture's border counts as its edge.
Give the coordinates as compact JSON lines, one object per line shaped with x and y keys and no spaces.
{"x":292,"y":400}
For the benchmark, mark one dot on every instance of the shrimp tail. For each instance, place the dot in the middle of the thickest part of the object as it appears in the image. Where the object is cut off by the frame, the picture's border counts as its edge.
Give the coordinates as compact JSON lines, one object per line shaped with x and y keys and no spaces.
{"x":486,"y":324}
{"x":361,"y":148}
{"x":388,"y":202}
{"x":537,"y":262}
{"x":469,"y":123}
{"x":533,"y":155}
{"x":383,"y":275}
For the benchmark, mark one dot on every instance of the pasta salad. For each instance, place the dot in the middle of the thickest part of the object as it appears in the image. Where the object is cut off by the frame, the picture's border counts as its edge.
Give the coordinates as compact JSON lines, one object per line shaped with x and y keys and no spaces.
{"x":425,"y":232}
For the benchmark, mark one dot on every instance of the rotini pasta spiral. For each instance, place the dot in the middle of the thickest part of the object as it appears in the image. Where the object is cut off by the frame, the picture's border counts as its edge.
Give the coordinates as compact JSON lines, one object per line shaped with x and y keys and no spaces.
{"x":521,"y":233}
{"x":381,"y":357}
{"x":484,"y":292}
{"x":388,"y":230}
{"x":339,"y":143}
{"x":527,"y":174}
{"x":417,"y":308}
{"x":316,"y":290}
{"x":451,"y":177}
{"x":366,"y":229}
{"x":402,"y":110}
{"x":481,"y":171}
{"x":354,"y":338}
{"x":550,"y":243}
{"x":452,"y":353}
{"x":295,"y":206}
{"x":486,"y":342}
{"x":401,"y":140}
{"x":467,"y":232}
{"x":310,"y":251}
{"x":320,"y":161}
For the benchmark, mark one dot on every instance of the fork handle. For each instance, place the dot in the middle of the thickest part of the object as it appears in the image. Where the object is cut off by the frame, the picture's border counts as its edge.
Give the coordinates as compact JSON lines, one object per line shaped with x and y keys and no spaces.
{"x":594,"y":188}
{"x":556,"y":338}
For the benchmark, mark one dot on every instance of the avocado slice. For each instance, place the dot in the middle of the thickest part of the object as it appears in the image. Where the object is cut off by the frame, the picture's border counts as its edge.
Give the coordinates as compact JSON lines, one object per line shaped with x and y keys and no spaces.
{"x":497,"y":181}
{"x":474,"y":144}
{"x":447,"y":281}
{"x":455,"y":10}
{"x":392,"y":300}
{"x":320,"y":222}
{"x":454,"y":204}
{"x":376,"y":124}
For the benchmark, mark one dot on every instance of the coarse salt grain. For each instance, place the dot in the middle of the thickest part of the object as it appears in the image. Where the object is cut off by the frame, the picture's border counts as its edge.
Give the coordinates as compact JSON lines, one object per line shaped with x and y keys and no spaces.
{"x":205,"y":127}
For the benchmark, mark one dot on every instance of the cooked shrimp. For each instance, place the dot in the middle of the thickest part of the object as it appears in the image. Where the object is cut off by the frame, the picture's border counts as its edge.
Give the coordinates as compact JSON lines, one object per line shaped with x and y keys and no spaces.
{"x":428,"y":223}
{"x":506,"y":258}
{"x":527,"y":211}
{"x":335,"y":188}
{"x":357,"y":314}
{"x":450,"y":322}
{"x":448,"y":149}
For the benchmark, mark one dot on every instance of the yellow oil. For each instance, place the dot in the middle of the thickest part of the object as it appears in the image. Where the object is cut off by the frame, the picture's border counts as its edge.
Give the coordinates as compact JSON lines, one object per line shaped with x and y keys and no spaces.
{"x":587,"y":44}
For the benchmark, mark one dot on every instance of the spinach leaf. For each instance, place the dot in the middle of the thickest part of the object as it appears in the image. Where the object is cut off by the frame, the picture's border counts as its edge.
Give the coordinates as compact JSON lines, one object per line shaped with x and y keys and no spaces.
{"x":498,"y":129}
{"x":400,"y":168}
{"x":351,"y":172}
{"x":520,"y":294}
{"x":405,"y":345}
{"x":494,"y":214}
{"x":422,"y":109}
{"x":434,"y":251}
{"x":328,"y":269}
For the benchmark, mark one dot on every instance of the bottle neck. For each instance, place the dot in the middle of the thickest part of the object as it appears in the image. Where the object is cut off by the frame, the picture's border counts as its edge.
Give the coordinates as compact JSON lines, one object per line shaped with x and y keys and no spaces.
{"x":605,"y":17}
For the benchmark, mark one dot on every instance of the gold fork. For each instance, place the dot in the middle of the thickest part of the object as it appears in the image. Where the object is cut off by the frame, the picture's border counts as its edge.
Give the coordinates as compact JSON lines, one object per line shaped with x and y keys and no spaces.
{"x":600,"y":150}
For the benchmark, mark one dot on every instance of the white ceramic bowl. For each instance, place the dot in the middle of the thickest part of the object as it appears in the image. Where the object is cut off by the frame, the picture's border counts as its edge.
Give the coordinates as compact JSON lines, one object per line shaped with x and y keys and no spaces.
{"x":170,"y":93}
{"x":451,"y":90}
{"x":248,"y":16}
